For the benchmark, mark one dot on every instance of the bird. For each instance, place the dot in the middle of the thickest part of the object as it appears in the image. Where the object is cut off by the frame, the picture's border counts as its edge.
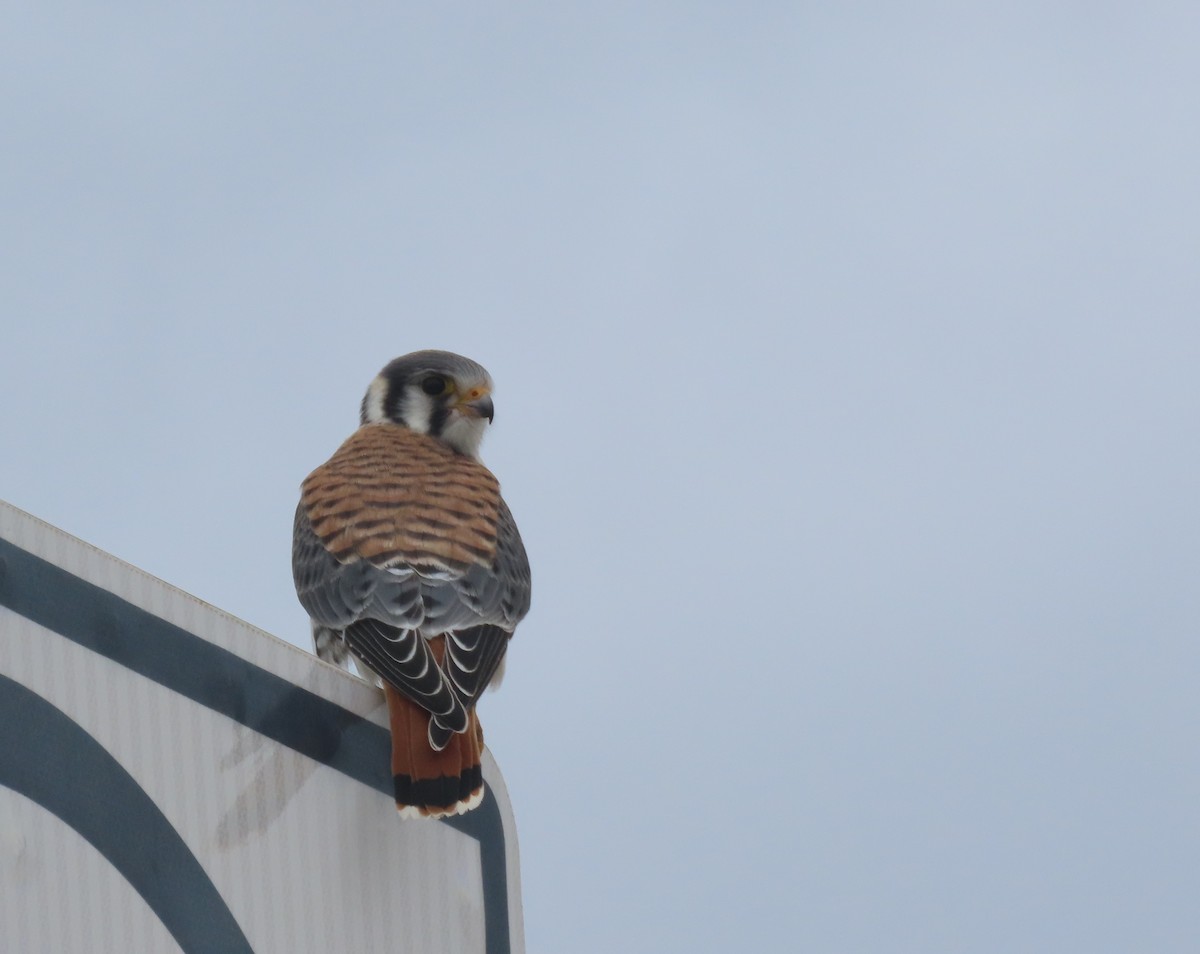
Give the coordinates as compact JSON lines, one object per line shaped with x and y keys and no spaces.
{"x":408,"y":560}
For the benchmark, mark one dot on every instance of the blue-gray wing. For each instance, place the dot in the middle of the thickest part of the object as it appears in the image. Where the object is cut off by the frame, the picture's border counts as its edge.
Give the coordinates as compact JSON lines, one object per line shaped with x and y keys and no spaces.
{"x":434,"y":600}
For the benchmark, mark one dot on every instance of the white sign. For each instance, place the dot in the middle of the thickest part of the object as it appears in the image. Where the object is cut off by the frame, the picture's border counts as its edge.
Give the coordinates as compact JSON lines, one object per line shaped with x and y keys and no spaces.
{"x":172,"y":779}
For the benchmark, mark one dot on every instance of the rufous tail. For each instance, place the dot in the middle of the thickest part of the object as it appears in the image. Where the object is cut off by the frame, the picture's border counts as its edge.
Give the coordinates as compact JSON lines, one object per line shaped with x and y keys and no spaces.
{"x":428,"y":783}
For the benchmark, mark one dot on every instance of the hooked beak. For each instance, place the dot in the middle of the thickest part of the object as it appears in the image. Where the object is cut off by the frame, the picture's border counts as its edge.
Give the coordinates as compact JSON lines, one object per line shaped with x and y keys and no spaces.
{"x":478,"y":402}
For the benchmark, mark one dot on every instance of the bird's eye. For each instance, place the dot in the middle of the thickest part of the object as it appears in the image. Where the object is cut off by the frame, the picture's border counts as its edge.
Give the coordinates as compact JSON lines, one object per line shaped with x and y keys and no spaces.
{"x":435,"y":384}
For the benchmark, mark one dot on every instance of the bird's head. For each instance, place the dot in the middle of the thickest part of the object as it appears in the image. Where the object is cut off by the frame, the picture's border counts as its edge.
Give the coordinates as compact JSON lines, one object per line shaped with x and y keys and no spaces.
{"x":433,"y":392}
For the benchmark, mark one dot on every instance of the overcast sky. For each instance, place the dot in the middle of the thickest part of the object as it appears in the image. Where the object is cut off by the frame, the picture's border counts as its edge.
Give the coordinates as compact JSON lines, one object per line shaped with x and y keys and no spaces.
{"x":846,"y":362}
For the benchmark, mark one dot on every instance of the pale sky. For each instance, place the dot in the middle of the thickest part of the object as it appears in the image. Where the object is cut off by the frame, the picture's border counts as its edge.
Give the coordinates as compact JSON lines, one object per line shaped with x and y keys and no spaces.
{"x":846,"y":363}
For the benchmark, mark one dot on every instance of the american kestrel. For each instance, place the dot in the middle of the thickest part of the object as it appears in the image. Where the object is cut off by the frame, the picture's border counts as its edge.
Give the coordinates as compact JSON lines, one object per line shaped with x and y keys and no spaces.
{"x":405,"y":552}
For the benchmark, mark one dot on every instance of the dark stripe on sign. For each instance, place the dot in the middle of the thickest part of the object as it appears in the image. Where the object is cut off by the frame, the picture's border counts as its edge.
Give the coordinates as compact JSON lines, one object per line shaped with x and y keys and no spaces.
{"x":52,"y":761}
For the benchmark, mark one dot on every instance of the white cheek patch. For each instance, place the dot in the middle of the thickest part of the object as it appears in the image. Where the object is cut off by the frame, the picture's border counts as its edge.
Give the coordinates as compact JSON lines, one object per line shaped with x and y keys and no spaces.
{"x":418,"y":410}
{"x":373,"y":411}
